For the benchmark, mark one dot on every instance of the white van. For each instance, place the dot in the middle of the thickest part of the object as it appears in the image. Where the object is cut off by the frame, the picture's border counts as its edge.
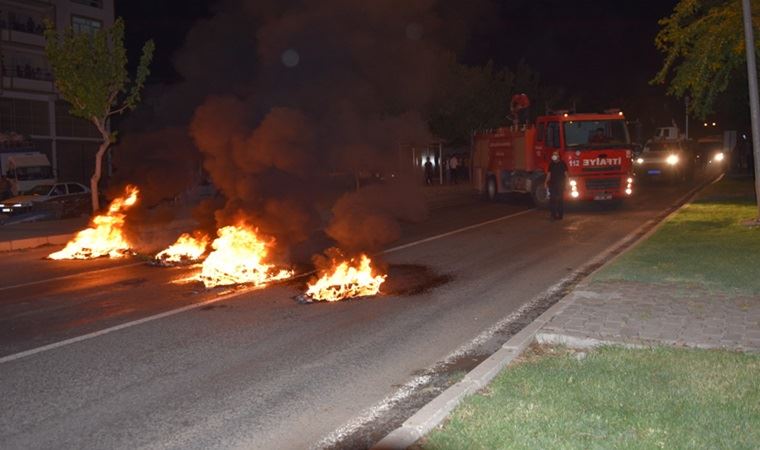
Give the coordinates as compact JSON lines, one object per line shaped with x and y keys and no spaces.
{"x":26,"y":170}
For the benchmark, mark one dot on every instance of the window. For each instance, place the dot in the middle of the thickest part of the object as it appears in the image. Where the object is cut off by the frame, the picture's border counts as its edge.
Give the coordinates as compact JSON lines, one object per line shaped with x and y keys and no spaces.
{"x":59,"y":189}
{"x":70,"y":126}
{"x":585,"y":134}
{"x":84,"y":25}
{"x":552,"y":134}
{"x":93,"y":3}
{"x":75,"y":188}
{"x":24,"y":116}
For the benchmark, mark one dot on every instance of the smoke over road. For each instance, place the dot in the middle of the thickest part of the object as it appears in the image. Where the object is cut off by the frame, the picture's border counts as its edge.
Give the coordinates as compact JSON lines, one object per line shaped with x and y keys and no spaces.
{"x":285,"y":101}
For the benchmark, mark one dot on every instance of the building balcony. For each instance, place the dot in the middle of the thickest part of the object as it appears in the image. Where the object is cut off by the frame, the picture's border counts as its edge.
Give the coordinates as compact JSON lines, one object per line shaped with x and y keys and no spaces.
{"x":27,"y":84}
{"x":22,"y":37}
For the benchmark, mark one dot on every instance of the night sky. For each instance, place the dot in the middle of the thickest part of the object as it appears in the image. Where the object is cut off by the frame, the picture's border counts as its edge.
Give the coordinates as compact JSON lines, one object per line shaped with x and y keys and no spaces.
{"x":598,"y":50}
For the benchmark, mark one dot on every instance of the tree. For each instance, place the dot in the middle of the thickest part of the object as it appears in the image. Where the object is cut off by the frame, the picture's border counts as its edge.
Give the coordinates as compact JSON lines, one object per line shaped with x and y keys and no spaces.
{"x":704,"y":50}
{"x":90,"y":72}
{"x":470,"y":98}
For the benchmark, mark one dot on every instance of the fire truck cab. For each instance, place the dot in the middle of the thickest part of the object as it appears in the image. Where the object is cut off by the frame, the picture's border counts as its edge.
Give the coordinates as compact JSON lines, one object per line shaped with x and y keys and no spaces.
{"x":596,"y":148}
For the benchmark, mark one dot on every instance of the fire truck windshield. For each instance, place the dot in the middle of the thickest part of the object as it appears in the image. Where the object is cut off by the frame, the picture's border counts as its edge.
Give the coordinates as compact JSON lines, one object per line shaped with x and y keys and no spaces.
{"x":590,"y":134}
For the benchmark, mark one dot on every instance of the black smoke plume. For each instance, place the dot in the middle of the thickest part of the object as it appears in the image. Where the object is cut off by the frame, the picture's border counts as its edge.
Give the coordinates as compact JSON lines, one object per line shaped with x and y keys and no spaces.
{"x":292,"y":104}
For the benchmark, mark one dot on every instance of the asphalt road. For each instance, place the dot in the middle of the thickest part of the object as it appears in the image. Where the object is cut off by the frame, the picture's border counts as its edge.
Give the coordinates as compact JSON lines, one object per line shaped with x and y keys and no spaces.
{"x":256,"y":369}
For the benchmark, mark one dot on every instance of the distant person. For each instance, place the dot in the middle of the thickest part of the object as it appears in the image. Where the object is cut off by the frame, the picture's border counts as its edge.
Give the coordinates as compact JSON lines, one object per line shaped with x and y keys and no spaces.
{"x":453,"y":168}
{"x":428,"y":166}
{"x":556,"y":177}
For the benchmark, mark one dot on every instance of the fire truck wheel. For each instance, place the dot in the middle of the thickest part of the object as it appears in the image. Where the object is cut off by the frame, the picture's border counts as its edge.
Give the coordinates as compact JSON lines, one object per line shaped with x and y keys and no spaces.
{"x":491,"y":191}
{"x":540,"y":194}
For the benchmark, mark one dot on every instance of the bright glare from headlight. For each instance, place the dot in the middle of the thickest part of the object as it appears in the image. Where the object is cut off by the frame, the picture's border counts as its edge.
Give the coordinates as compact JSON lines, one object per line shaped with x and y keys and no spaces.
{"x":574,"y":194}
{"x":640,"y":161}
{"x":672,"y":160}
{"x":719,"y":156}
{"x":629,"y":180}
{"x":573,"y":183}
{"x":628,"y":191}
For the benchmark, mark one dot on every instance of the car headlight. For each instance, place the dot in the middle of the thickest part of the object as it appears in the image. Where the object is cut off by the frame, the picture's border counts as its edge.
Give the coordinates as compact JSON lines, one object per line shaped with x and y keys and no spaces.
{"x":672,"y":160}
{"x":719,"y":156}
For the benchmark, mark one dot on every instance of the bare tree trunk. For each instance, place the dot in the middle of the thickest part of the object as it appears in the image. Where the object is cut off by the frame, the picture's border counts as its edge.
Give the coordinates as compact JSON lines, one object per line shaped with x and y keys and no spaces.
{"x":95,"y":180}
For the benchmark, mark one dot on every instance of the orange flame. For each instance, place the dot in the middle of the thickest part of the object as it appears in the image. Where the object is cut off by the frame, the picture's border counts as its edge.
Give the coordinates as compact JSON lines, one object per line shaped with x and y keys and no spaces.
{"x":346,"y":279}
{"x":104,"y":237}
{"x":187,"y":248}
{"x":238,"y":257}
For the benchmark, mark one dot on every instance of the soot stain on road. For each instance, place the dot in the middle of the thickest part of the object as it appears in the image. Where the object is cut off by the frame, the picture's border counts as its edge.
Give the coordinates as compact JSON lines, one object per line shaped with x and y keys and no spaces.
{"x":133,"y":282}
{"x":411,"y":279}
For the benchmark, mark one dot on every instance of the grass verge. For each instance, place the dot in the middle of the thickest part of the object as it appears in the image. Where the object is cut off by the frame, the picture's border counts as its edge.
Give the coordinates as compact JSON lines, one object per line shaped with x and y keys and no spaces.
{"x":704,"y":243}
{"x":612,"y":398}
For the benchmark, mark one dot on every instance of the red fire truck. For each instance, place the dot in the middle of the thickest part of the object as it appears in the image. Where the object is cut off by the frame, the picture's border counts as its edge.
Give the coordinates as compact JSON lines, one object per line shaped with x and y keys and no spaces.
{"x":595,"y":147}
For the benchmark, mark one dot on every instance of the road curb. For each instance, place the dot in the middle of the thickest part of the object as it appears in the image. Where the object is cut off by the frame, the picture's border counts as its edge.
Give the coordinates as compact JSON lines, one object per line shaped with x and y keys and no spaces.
{"x":22,"y":244}
{"x":435,"y":412}
{"x":60,"y":239}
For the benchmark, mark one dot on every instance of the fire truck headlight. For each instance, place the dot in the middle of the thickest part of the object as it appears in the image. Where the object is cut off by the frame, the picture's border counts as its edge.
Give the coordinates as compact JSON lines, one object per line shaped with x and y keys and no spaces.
{"x":629,"y":180}
{"x":573,"y":183}
{"x":628,"y":191}
{"x":574,"y":194}
{"x":639,"y":160}
{"x":672,"y":160}
{"x":719,"y":156}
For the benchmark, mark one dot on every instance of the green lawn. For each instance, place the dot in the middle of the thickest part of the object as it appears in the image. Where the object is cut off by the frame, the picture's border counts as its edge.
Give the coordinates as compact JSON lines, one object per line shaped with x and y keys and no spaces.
{"x":704,"y":243}
{"x":613,"y":398}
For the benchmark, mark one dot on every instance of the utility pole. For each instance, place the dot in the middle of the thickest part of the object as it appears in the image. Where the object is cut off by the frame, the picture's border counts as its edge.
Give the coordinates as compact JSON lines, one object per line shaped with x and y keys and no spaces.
{"x":687,"y":116}
{"x":749,"y":44}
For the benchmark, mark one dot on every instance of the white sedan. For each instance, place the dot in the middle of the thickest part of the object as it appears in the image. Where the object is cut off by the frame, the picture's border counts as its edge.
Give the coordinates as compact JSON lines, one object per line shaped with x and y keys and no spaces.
{"x":67,"y":193}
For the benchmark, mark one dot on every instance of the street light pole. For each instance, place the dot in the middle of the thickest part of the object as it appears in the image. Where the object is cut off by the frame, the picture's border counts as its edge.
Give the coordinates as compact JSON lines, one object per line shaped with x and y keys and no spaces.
{"x":687,"y":116}
{"x":749,"y":44}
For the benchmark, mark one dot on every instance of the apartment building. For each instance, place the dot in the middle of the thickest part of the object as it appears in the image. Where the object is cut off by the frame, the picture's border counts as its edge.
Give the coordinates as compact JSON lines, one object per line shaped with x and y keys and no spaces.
{"x":29,"y":103}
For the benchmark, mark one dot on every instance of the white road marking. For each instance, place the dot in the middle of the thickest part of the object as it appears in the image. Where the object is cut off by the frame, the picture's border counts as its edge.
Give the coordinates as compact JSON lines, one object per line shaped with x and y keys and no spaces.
{"x":374,"y":412}
{"x":457,"y":231}
{"x":66,"y":277}
{"x":84,"y":337}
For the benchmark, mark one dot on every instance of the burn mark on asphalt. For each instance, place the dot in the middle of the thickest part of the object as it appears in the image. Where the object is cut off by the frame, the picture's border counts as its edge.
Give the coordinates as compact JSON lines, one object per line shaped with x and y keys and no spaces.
{"x":132,"y":282}
{"x":213,"y":306}
{"x":411,"y":279}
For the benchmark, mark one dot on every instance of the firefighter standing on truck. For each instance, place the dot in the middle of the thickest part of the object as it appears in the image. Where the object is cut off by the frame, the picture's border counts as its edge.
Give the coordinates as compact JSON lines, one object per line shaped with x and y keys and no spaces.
{"x":556,"y":177}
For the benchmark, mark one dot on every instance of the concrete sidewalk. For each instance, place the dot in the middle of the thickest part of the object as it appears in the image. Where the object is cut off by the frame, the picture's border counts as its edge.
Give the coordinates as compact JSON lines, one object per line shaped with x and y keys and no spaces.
{"x":643,"y":314}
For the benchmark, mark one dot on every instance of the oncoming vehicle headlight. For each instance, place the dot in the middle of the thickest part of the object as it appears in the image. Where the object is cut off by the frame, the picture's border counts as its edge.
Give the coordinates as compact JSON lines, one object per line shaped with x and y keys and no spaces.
{"x":639,"y":160}
{"x":719,"y":156}
{"x":672,"y":160}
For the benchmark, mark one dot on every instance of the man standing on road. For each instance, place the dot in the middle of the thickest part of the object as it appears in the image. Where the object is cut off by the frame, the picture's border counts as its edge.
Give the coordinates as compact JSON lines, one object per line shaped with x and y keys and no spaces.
{"x":556,"y":177}
{"x":453,"y":168}
{"x":428,"y":171}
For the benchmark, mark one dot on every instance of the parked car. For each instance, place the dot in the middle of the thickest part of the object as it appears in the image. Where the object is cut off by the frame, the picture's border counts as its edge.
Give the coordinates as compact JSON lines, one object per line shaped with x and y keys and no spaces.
{"x":670,"y":160}
{"x":65,"y":199}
